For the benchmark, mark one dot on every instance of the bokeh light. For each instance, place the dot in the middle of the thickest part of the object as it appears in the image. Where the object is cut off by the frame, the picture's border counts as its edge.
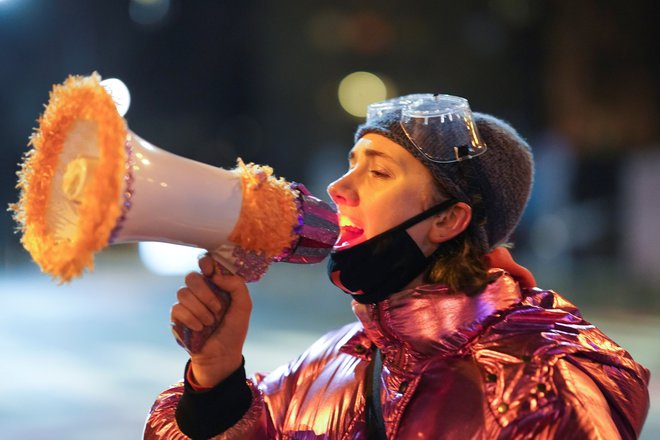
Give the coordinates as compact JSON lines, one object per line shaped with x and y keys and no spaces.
{"x":168,"y":259}
{"x":368,"y":32}
{"x":148,"y":12}
{"x":358,"y":90}
{"x":119,"y":93}
{"x":9,"y":8}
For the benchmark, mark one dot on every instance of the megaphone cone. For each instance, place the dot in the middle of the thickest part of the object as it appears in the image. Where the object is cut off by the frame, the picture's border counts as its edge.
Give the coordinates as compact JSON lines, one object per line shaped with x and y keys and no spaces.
{"x":89,"y":182}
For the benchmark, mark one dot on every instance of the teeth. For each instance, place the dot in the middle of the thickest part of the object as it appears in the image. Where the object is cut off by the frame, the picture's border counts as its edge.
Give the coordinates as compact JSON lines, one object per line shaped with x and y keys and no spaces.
{"x":345,"y":222}
{"x":350,"y":234}
{"x":352,"y":229}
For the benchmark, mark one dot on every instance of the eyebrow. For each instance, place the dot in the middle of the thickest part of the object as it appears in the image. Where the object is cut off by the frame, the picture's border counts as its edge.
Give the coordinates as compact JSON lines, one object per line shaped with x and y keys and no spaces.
{"x":369,"y":152}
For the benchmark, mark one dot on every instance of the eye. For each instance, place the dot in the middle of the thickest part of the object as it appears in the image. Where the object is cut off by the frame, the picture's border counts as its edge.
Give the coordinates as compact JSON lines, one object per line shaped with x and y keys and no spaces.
{"x":380,"y":174}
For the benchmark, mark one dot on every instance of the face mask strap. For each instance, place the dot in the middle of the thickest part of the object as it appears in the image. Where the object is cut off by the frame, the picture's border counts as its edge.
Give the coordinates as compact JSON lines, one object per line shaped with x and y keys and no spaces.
{"x":426,"y":214}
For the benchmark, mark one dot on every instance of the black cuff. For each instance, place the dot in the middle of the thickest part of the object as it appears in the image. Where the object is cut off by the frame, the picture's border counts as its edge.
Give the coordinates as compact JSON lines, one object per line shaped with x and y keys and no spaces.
{"x":207,"y":413}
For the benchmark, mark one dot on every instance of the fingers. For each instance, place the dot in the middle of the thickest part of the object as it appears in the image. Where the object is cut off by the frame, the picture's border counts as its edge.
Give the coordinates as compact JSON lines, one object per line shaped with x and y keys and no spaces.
{"x":226,"y":281}
{"x":235,"y":286}
{"x":197,"y":305}
{"x":181,"y":314}
{"x":196,"y":283}
{"x":190,"y":311}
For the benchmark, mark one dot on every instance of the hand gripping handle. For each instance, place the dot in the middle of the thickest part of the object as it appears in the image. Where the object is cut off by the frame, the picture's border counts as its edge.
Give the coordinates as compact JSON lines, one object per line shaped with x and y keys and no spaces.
{"x":193,"y":341}
{"x":316,"y":232}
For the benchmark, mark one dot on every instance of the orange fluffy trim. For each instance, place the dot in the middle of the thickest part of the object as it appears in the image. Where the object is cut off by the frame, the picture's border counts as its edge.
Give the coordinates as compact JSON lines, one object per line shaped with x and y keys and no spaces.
{"x":78,"y":98}
{"x":268,"y":213}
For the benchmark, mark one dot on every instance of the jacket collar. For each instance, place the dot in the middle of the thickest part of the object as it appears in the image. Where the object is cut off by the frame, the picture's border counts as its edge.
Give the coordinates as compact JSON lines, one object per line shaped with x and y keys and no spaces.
{"x":426,"y":321}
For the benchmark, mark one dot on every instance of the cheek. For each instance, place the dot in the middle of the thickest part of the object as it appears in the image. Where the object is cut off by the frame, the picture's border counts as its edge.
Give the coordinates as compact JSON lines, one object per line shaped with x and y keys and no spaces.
{"x":390,"y":210}
{"x":411,"y":200}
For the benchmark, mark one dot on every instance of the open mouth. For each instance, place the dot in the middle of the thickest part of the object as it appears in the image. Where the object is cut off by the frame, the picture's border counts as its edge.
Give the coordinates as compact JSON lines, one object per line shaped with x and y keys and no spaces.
{"x":349,"y":234}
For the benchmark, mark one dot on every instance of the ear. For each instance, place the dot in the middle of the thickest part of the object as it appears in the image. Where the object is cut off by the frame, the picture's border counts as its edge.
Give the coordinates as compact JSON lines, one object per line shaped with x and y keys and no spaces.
{"x":450,"y":223}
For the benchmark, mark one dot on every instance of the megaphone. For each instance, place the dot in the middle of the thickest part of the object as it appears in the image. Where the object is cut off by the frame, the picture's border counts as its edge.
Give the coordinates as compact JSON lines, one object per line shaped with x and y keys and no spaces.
{"x":89,"y":182}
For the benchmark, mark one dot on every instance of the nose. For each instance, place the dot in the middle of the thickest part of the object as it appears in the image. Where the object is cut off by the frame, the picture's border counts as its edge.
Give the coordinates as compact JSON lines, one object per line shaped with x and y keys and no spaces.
{"x":343,"y":192}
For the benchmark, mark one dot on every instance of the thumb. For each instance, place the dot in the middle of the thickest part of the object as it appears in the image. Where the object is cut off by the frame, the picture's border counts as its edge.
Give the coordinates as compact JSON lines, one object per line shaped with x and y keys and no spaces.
{"x":234,"y":285}
{"x":207,"y":265}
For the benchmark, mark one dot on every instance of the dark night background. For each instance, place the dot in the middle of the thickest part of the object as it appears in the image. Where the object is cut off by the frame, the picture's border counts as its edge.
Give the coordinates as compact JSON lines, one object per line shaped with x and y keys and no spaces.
{"x":214,"y":80}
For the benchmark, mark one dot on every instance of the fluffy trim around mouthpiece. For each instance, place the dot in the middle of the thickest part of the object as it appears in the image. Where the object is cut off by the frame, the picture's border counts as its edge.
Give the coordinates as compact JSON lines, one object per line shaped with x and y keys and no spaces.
{"x":269,"y":212}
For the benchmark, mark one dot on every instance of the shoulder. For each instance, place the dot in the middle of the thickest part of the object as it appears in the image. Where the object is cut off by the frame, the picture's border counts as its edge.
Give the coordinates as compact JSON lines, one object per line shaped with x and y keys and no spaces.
{"x":331,"y":344}
{"x":545,"y":325}
{"x":560,"y":401}
{"x":541,"y":359}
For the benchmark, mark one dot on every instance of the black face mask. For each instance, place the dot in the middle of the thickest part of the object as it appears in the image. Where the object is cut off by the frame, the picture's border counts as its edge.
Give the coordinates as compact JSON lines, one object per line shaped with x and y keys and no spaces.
{"x":384,"y":264}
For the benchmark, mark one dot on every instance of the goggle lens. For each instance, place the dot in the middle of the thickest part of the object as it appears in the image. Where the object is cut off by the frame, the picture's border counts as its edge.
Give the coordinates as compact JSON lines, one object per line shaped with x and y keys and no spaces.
{"x":440,"y":126}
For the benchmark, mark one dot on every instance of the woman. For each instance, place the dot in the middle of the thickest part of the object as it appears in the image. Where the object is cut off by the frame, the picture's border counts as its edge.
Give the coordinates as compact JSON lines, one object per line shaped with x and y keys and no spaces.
{"x":452,"y":340}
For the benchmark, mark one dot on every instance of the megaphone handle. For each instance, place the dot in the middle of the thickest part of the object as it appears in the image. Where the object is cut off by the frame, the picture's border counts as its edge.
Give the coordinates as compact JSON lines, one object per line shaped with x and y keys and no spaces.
{"x":193,"y":341}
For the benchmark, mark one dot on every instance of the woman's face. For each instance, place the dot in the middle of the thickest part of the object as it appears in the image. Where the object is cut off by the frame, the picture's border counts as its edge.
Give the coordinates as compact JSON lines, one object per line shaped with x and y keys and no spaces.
{"x":384,"y":186}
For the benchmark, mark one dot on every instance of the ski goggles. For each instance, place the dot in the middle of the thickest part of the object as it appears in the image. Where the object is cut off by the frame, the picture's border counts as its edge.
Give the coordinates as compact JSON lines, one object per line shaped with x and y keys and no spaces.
{"x":441,"y":127}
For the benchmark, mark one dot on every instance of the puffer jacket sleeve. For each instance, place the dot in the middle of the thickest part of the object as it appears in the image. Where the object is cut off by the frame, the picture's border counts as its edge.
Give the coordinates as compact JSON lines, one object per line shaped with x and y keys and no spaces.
{"x":272,"y":394}
{"x":161,"y":422}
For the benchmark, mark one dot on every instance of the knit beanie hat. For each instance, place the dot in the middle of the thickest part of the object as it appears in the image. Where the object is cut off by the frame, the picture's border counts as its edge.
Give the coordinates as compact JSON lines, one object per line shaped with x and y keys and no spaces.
{"x":496,"y":184}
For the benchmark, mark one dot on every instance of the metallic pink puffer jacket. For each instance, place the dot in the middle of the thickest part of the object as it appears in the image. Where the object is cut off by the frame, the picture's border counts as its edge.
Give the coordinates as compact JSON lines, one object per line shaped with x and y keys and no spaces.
{"x":505,"y":364}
